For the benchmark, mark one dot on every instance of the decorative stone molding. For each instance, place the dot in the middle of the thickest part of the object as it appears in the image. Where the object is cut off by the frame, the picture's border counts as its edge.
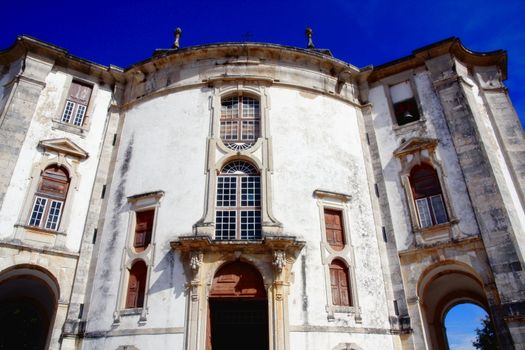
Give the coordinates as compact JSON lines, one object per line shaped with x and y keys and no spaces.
{"x":279,"y":260}
{"x":410,"y":153}
{"x":63,"y":146}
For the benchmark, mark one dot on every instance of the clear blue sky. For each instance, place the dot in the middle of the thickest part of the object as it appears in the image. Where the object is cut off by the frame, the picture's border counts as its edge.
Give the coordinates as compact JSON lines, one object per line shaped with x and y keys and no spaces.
{"x":461,"y":322}
{"x":359,"y":32}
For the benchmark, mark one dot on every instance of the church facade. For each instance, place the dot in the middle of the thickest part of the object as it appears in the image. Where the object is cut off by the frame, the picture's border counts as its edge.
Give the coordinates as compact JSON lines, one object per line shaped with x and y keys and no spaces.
{"x":257,"y":196}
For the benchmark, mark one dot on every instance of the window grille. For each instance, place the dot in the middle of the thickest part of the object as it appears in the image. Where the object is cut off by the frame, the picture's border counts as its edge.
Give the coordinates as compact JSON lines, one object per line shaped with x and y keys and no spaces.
{"x":240,"y":122}
{"x":238,"y":202}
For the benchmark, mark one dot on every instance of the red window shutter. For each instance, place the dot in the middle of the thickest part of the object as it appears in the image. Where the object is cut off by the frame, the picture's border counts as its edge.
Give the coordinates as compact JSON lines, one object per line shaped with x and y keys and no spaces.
{"x":339,"y":283}
{"x":79,"y":93}
{"x":424,"y":181}
{"x":343,"y":288}
{"x":137,"y":285}
{"x":334,"y":229}
{"x":131,"y":299}
{"x":143,"y":229}
{"x":334,"y":279}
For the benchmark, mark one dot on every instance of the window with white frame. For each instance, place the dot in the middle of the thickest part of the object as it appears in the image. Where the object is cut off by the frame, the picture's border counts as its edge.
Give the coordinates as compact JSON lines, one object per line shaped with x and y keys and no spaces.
{"x":76,"y":104}
{"x":240,"y":121}
{"x":428,"y":196}
{"x":404,"y":102}
{"x":50,"y":198}
{"x":238,"y":205}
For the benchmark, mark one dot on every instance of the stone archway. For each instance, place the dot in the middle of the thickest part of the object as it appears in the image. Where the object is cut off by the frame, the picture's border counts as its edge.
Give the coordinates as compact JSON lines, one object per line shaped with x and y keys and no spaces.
{"x":441,"y":288}
{"x":28,"y":304}
{"x":237,"y":309}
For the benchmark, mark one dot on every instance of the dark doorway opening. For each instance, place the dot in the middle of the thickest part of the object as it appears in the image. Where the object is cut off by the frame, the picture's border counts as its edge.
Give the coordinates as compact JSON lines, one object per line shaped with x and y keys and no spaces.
{"x":239,"y":324}
{"x":28,"y":304}
{"x":24,"y":325}
{"x":238,"y":309}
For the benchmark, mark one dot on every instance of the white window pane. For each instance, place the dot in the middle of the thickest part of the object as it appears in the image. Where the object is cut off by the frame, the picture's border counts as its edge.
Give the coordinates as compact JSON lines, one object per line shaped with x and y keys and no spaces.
{"x":226,"y":191}
{"x":250,"y":191}
{"x":38,"y":211}
{"x":401,"y":92}
{"x":53,"y":217}
{"x":424,"y":212}
{"x":225,"y":224}
{"x":250,"y":224}
{"x":438,"y":208}
{"x":79,"y":115}
{"x":68,"y":112}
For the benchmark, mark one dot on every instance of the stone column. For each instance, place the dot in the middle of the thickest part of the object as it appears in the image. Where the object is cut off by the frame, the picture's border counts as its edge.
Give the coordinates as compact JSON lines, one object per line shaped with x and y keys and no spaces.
{"x":24,"y":92}
{"x":486,"y":197}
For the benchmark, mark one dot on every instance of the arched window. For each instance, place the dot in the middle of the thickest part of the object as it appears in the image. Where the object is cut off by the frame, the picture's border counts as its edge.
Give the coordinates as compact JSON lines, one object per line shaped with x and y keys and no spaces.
{"x":136,"y":285}
{"x":340,"y":284}
{"x":428,"y":196}
{"x":240,"y":121}
{"x":238,"y":207}
{"x":50,"y":198}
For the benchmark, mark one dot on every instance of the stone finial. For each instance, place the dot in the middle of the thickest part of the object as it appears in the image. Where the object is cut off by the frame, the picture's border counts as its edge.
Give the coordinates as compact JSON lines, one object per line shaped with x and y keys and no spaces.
{"x":308,"y":34}
{"x":177,"y":34}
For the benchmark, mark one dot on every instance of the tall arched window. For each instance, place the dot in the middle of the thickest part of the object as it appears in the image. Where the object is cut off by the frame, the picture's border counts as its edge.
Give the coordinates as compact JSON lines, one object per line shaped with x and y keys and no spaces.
{"x":428,"y":196}
{"x":50,"y":198}
{"x":340,"y":284}
{"x":136,"y":285}
{"x":240,"y":121}
{"x":238,"y":207}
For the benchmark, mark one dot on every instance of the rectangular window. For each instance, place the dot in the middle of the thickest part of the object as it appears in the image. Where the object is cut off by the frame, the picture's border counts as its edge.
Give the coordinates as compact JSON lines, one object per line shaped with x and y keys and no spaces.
{"x":226,"y":191}
{"x":38,"y":211}
{"x":76,"y":104}
{"x":250,"y":191}
{"x":225,"y":224}
{"x":334,"y":228}
{"x":250,"y":130}
{"x":143,"y":229}
{"x":53,"y":218}
{"x":438,"y":209}
{"x":404,"y":103}
{"x":424,"y":212}
{"x":250,"y":224}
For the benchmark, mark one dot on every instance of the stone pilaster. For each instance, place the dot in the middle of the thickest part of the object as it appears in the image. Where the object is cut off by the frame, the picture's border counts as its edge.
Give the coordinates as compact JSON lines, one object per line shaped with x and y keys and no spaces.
{"x":487,"y":202}
{"x":24,"y":93}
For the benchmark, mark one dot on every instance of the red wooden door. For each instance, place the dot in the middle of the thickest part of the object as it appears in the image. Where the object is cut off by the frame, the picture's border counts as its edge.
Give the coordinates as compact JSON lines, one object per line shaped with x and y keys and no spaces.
{"x":334,"y":229}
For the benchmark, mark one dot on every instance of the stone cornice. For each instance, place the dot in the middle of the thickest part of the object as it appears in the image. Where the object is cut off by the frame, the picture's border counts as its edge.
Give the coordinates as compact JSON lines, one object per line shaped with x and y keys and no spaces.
{"x":452,"y":46}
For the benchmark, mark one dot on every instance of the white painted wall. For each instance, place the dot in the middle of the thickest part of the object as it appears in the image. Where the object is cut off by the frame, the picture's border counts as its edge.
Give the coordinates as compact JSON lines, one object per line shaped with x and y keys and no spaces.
{"x":389,"y":140}
{"x":40,"y":129}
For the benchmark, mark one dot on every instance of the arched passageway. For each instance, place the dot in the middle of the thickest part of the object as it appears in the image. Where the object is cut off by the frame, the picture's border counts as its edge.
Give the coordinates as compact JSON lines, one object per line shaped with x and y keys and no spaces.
{"x":28,"y":303}
{"x":440,"y":289}
{"x":238,"y":309}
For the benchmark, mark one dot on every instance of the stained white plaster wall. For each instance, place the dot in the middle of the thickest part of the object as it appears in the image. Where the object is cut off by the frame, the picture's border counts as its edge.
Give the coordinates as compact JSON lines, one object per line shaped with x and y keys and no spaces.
{"x":162,"y":147}
{"x":329,"y":340}
{"x":141,"y":342}
{"x":316,"y":145}
{"x":389,"y":139}
{"x":48,"y":108}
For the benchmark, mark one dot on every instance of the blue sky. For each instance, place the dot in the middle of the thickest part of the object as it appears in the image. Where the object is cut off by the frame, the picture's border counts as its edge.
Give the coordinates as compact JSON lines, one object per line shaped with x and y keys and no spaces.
{"x":359,"y":32}
{"x":461,"y":322}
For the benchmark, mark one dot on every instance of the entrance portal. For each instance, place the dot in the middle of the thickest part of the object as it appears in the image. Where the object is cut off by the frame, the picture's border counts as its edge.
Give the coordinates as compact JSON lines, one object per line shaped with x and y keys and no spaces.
{"x":238,"y":309}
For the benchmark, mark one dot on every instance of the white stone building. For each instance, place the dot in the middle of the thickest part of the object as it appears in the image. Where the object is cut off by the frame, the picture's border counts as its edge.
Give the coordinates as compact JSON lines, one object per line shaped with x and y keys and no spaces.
{"x":257,"y":196}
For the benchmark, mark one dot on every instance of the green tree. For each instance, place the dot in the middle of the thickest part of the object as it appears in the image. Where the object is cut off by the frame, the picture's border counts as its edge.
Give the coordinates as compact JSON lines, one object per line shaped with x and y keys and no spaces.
{"x":485,"y":336}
